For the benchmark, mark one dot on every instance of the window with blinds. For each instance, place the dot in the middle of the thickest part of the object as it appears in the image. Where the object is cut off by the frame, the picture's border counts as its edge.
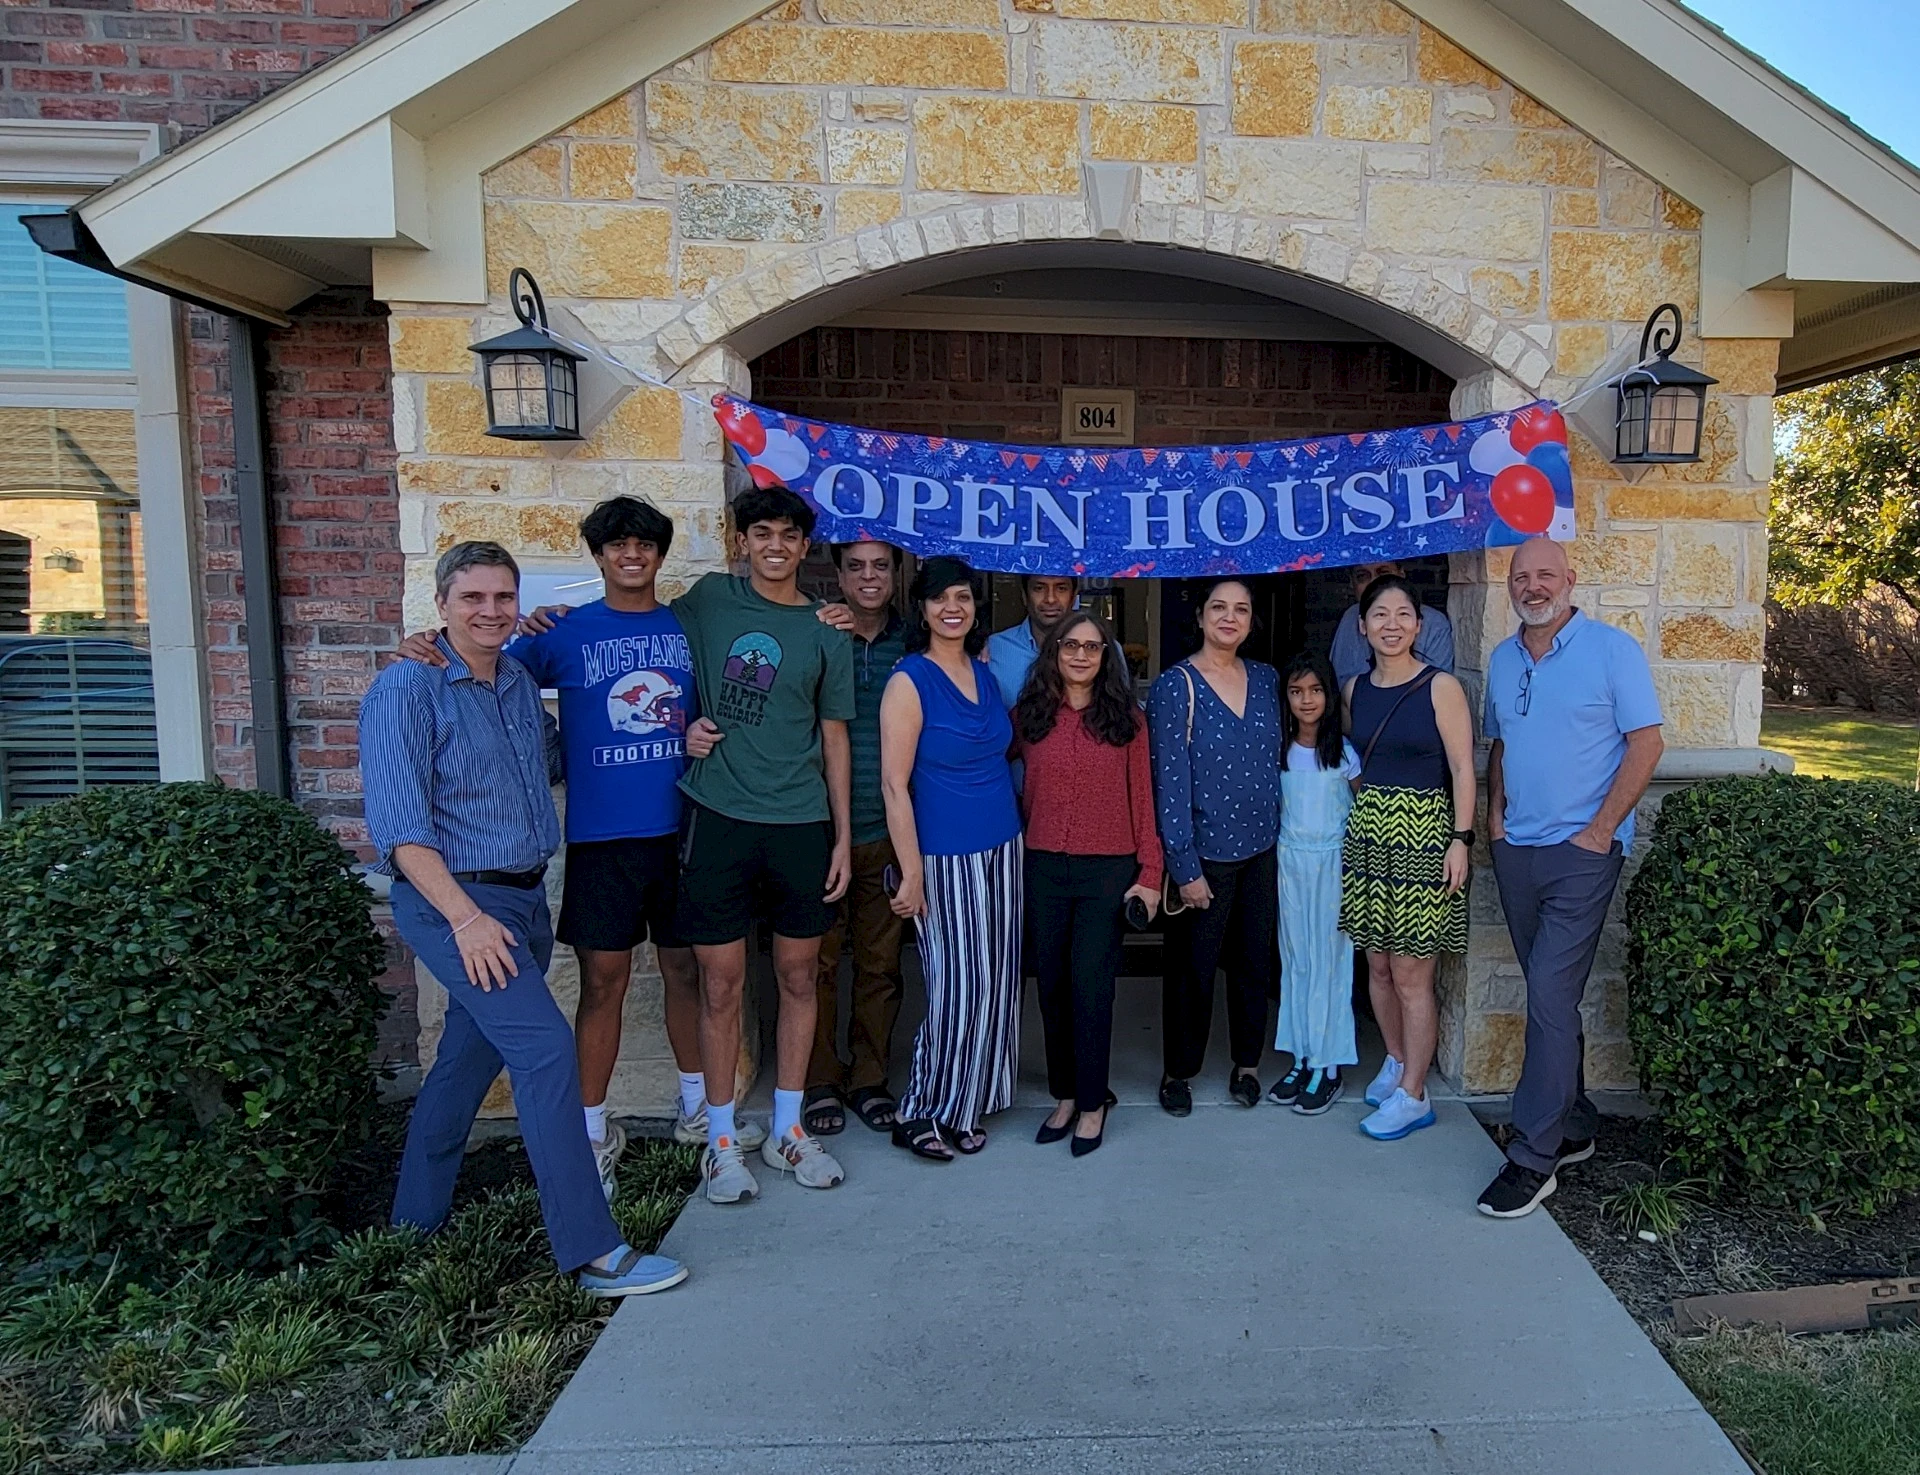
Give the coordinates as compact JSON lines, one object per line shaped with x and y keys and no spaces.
{"x":55,"y":316}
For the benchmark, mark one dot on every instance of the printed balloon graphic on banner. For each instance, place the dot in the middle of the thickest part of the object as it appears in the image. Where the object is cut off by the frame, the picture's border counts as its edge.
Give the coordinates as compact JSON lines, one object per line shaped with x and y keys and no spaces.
{"x":1171,"y":512}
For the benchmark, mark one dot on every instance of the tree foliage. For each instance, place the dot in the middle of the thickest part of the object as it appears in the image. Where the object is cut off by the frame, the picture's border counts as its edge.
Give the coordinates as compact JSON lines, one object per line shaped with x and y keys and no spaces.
{"x":1846,"y":504}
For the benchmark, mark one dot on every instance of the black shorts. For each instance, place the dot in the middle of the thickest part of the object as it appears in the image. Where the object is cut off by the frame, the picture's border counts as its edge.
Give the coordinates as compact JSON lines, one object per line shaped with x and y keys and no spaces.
{"x":619,"y":893}
{"x":733,"y":870}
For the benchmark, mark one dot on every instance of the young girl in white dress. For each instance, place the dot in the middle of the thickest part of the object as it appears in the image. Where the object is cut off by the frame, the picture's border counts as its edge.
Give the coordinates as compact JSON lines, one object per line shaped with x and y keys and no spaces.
{"x":1317,"y":767}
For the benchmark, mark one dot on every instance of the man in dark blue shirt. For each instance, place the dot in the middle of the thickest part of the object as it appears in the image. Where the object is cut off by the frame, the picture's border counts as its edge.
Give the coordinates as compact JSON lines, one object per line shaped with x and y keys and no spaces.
{"x":455,"y":766}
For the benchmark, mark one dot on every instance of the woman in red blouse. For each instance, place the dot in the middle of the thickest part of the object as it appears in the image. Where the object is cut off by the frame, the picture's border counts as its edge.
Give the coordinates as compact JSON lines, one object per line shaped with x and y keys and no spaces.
{"x":1092,"y":847}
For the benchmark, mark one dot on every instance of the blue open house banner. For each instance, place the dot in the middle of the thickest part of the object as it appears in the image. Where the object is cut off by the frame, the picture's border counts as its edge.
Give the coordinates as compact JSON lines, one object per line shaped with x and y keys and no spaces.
{"x":1175,"y":511}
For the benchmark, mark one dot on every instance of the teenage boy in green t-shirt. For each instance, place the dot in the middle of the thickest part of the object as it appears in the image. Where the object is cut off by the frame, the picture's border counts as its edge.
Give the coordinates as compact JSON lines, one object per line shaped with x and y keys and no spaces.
{"x":766,"y":829}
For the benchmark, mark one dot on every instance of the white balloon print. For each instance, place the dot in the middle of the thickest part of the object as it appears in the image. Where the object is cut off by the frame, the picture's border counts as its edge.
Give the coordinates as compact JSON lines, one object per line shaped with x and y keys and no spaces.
{"x":1493,"y":453}
{"x":784,"y":456}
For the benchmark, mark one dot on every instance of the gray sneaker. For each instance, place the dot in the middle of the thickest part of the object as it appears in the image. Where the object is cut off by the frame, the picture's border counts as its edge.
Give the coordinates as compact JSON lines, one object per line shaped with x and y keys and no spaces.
{"x":801,"y":1154}
{"x":606,"y":1156}
{"x":727,"y":1175}
{"x":692,"y":1130}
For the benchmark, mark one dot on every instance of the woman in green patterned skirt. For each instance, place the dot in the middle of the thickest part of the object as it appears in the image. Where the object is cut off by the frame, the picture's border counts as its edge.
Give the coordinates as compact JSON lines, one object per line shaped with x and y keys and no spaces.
{"x":1403,"y":869}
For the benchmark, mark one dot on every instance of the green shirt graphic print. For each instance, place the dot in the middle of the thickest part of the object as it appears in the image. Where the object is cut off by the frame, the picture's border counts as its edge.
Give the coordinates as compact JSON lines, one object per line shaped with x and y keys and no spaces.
{"x":769,"y":674}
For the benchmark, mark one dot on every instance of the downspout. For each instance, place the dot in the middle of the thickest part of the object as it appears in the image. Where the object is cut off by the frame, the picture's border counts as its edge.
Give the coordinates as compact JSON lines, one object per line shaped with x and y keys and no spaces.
{"x":65,"y":235}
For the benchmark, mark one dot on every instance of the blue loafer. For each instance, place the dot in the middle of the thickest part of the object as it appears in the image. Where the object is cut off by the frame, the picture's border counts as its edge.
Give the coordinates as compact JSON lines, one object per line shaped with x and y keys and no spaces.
{"x":632,"y":1274}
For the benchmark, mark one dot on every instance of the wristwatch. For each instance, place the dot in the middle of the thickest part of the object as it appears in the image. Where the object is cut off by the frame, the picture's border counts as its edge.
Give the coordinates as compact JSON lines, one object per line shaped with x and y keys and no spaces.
{"x":1465,"y":837}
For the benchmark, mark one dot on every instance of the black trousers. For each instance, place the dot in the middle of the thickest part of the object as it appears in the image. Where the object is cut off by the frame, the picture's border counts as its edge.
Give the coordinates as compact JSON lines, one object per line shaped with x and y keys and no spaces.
{"x":1239,"y":931}
{"x":1076,"y":929}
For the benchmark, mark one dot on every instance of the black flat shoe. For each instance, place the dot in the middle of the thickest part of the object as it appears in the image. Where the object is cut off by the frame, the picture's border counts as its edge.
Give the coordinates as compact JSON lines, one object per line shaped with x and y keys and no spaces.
{"x":1244,"y":1088}
{"x":1176,"y":1098}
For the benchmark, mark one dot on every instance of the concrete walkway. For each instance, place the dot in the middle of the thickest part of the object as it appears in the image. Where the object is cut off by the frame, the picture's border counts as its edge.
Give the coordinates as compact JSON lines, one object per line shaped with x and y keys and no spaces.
{"x":1236,"y":1291}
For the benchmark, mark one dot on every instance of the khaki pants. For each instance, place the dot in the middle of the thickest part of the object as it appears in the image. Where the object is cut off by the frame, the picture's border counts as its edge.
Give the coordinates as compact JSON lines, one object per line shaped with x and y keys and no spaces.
{"x":865,"y":921}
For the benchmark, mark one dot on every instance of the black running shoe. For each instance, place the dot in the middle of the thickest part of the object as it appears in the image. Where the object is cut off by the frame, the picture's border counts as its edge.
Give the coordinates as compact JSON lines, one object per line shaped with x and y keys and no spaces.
{"x":1284,"y":1091}
{"x":1322,"y":1090}
{"x":1516,"y":1193}
{"x":1573,"y":1151}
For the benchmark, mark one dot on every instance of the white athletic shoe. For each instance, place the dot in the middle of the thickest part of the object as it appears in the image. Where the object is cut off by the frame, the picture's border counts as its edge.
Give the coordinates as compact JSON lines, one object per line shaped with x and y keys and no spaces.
{"x":692,"y":1130}
{"x":1400,"y":1116}
{"x":728,"y":1178}
{"x":797,"y":1153}
{"x":606,"y":1156}
{"x":1386,"y":1083}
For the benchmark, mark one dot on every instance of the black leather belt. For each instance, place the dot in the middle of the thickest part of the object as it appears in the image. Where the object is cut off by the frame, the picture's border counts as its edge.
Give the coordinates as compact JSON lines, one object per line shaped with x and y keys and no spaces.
{"x":521,"y":880}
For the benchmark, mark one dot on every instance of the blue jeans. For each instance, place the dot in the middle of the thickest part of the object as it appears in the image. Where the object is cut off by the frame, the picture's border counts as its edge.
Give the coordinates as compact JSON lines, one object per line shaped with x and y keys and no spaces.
{"x":520,"y":1027}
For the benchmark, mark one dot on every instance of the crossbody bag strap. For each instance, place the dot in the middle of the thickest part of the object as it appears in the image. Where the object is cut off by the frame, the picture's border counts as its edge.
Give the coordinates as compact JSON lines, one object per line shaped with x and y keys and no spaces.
{"x":1414,"y":685}
{"x":1171,"y":903}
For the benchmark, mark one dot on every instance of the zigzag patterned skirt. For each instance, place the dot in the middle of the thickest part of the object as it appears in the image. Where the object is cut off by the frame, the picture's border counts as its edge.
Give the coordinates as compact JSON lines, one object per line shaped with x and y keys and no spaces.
{"x":1393,"y":891}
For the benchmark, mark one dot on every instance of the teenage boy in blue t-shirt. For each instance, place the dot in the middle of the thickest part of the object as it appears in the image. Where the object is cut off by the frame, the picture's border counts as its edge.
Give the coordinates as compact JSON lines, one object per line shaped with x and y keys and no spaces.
{"x":627,"y":692}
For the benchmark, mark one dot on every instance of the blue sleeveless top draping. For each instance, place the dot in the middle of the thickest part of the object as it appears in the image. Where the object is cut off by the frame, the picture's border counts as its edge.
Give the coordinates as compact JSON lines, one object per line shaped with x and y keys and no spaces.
{"x":962,"y":787}
{"x":1409,"y":754}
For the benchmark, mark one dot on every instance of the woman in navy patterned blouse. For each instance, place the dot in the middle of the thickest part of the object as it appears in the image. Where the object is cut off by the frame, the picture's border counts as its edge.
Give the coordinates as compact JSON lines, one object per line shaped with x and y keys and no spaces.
{"x":1215,"y":729}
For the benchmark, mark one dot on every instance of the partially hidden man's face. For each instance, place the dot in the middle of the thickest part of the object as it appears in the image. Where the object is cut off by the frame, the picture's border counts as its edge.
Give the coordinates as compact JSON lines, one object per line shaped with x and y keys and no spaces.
{"x":1365,"y":573}
{"x":773,"y":549}
{"x":1049,"y":600}
{"x":866,"y":576}
{"x":629,"y":564}
{"x":482,"y":606}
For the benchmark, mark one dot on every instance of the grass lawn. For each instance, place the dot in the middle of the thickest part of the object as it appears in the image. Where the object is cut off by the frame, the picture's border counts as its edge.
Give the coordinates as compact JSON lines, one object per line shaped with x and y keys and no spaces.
{"x":1833,"y":742}
{"x":1847,"y":1404}
{"x":386,"y":1345}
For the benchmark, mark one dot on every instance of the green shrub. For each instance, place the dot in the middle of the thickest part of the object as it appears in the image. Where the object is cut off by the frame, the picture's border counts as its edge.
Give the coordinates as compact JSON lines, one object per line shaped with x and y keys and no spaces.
{"x":187,"y":1022}
{"x":1774,"y":963}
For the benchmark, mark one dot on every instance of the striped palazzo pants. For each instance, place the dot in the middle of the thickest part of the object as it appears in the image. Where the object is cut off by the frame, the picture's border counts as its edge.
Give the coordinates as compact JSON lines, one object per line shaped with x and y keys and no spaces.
{"x":967,"y":1053}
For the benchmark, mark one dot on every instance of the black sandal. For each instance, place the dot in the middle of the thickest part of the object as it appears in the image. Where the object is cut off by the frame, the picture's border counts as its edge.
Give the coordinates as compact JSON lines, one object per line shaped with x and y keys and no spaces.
{"x":922,"y":1138}
{"x":963,"y":1136}
{"x":825,"y":1114}
{"x":875,"y":1107}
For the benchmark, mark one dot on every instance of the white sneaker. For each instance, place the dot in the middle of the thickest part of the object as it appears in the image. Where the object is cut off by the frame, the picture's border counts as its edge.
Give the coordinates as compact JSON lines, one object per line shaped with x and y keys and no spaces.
{"x":606,"y":1156}
{"x":797,"y":1153}
{"x":1386,"y":1083}
{"x":692,"y":1130}
{"x":1399,"y":1116}
{"x":728,"y":1179}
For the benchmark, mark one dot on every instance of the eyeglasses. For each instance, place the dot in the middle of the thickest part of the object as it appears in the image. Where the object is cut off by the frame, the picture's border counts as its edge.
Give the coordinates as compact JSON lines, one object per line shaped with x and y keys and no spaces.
{"x":1526,"y":692}
{"x":1081,"y":647}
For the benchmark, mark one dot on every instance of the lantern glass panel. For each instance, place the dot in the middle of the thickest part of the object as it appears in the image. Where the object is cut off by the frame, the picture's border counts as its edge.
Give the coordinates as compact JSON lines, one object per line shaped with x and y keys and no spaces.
{"x":1673,"y":424}
{"x":517,"y":390}
{"x":565,"y":395}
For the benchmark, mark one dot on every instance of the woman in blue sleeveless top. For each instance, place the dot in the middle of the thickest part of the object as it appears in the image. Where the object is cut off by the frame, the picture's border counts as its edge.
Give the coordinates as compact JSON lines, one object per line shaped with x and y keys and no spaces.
{"x":944,"y":736}
{"x":1406,"y":858}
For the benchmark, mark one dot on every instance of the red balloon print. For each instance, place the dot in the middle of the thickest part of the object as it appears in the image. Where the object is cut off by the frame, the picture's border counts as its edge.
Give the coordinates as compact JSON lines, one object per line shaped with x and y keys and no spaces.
{"x":1536,"y":425}
{"x":766,"y":477}
{"x":741,"y":426}
{"x":1523,"y":496}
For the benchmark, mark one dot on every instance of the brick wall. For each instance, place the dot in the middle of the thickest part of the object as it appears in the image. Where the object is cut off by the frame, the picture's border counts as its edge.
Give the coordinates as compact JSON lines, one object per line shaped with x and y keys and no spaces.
{"x":1006,"y":386}
{"x":183,"y":63}
{"x":330,"y":458}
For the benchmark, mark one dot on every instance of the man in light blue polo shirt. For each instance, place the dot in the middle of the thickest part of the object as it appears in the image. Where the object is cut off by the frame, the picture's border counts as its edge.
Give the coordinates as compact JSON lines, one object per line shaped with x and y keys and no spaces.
{"x":1011,"y":653}
{"x":1575,"y":725}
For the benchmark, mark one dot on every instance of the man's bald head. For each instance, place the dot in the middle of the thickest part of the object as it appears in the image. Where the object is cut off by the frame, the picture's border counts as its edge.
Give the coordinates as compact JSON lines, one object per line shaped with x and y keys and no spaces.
{"x":1540,"y":582}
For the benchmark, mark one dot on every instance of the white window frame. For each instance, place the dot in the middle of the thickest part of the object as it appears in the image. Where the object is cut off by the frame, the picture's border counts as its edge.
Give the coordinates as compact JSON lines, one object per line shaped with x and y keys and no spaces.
{"x":63,"y":162}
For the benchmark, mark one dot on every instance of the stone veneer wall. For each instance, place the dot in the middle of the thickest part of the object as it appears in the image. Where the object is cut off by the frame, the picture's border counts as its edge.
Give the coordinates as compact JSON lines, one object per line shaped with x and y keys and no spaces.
{"x":1338,"y":140}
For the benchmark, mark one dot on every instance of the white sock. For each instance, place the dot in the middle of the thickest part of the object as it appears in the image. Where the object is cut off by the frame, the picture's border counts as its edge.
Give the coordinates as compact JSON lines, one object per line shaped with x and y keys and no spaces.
{"x":719,"y":1122}
{"x":597,"y":1123}
{"x":693,"y":1093}
{"x":786,"y":1111}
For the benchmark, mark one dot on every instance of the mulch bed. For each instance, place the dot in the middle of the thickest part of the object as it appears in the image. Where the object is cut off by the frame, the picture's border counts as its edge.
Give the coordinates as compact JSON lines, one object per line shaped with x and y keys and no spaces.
{"x":1721,"y":1247}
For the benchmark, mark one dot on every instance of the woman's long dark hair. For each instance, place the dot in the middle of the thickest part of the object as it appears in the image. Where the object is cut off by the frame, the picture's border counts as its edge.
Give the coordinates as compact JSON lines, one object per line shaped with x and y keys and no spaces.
{"x":932,"y":579}
{"x":1112,"y":716}
{"x":1329,"y":742}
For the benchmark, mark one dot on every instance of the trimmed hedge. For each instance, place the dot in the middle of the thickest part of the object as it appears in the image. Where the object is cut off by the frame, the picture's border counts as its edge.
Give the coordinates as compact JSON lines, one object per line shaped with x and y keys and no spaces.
{"x":187,"y":1026}
{"x":1774,"y":963}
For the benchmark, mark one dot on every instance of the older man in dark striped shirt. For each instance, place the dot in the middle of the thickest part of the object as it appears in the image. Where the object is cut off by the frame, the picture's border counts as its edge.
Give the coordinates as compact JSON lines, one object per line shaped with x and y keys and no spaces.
{"x":456,"y":762}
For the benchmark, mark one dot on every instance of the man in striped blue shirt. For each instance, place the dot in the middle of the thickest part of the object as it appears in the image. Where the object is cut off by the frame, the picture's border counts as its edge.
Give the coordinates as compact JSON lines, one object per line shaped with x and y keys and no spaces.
{"x":456,"y":765}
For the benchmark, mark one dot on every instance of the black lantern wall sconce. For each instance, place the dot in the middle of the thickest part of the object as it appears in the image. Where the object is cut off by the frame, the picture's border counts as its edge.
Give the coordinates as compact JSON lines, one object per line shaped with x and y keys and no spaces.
{"x":532,"y":382}
{"x":1661,"y":406}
